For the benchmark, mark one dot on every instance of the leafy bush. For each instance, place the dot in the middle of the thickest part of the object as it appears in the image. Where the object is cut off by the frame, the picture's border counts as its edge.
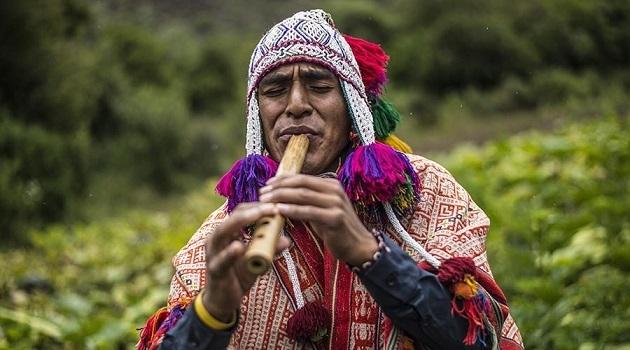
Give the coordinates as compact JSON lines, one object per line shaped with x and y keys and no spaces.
{"x":86,"y":96}
{"x":45,"y":96}
{"x":560,"y":239}
{"x":551,"y":88}
{"x":577,"y":34}
{"x":41,"y":172}
{"x":472,"y":51}
{"x":212,"y":84}
{"x":444,"y":46}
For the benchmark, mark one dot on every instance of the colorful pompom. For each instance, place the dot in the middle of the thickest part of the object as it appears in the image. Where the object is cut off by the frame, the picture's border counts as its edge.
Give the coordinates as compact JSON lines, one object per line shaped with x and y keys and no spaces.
{"x":377,"y":173}
{"x":397,"y":144}
{"x":242,"y":182}
{"x":409,"y":192}
{"x":147,"y":333}
{"x":372,"y":62}
{"x":385,"y":117}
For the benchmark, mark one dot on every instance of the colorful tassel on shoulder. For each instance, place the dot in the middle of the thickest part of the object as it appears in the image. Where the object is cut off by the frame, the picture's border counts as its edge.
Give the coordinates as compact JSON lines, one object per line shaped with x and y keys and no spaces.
{"x":150,"y":329}
{"x":242,"y":182}
{"x":459,"y":276}
{"x":157,"y":325}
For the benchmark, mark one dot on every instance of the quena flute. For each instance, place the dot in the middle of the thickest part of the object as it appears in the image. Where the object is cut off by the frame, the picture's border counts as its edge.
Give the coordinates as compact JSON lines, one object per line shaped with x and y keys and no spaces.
{"x":262,"y":247}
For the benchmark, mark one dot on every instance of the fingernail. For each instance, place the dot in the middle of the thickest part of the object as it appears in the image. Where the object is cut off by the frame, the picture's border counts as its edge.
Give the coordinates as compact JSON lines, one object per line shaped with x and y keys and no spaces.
{"x":265,"y":197}
{"x":265,"y":189}
{"x":270,"y":180}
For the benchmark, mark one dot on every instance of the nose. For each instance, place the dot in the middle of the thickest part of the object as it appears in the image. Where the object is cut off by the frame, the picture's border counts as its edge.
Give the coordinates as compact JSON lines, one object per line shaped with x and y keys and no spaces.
{"x":298,"y":104}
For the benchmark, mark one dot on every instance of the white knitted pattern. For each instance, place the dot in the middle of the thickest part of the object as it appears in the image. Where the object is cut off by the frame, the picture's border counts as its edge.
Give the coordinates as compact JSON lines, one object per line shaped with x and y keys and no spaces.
{"x":360,"y":113}
{"x":308,"y":36}
{"x":253,"y":139}
{"x":408,"y":239}
{"x":327,"y":56}
{"x":295,"y":282}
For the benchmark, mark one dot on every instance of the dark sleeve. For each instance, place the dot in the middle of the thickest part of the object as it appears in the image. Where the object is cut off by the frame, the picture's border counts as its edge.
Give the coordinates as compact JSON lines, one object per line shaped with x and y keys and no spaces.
{"x":414,"y":299}
{"x":190,"y":333}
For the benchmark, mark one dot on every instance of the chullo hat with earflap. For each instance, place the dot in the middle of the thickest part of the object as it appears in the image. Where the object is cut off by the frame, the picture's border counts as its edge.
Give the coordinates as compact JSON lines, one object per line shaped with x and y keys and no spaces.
{"x":374,"y":172}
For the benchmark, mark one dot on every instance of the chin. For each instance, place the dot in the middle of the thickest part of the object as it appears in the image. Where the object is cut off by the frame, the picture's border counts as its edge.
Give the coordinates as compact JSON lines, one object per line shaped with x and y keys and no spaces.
{"x":311,"y":166}
{"x":317,"y":166}
{"x":309,"y":169}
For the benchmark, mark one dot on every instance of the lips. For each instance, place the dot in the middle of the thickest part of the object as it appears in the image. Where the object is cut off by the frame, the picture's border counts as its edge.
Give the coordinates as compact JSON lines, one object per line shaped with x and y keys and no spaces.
{"x":286,"y":133}
{"x":297,"y":130}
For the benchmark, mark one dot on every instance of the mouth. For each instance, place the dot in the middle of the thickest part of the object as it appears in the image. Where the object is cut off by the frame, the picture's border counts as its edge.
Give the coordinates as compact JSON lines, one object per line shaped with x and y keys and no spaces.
{"x":286,"y":134}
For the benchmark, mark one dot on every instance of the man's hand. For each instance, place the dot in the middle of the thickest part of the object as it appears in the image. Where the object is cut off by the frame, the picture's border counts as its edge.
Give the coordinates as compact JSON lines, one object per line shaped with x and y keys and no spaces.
{"x":324,"y":204}
{"x":227,"y":276}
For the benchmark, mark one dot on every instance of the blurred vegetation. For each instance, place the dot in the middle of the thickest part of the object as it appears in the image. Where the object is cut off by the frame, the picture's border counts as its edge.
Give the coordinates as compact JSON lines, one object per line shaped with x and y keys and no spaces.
{"x":115,"y":105}
{"x":560,"y":236}
{"x":90,"y":286}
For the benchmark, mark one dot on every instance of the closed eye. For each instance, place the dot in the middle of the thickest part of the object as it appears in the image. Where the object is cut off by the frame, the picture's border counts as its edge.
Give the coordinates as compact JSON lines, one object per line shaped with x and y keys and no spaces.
{"x":274,"y":91}
{"x":321,"y":88}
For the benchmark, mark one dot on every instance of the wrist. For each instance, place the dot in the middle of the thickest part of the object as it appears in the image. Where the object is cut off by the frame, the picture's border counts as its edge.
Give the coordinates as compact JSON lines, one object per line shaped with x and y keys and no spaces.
{"x":225,"y":316}
{"x":208,"y":319}
{"x":365,"y":252}
{"x":382,"y":248}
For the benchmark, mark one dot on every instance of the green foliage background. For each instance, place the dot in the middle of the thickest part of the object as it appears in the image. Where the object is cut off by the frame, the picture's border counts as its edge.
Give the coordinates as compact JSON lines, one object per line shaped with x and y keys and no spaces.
{"x":115,"y":114}
{"x":560,"y":234}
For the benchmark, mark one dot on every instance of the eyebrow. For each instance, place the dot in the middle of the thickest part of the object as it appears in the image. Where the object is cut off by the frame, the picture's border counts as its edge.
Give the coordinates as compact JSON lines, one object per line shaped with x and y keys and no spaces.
{"x":316,"y":74}
{"x":275,"y":78}
{"x":312,"y":74}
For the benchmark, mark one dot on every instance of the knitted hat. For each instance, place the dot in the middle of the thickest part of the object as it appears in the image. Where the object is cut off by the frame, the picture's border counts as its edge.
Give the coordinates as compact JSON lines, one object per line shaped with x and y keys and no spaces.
{"x":373,"y":172}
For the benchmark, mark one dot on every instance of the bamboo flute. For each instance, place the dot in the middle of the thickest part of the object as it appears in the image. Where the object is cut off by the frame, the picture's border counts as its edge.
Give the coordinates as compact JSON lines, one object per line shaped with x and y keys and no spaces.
{"x":260,"y":252}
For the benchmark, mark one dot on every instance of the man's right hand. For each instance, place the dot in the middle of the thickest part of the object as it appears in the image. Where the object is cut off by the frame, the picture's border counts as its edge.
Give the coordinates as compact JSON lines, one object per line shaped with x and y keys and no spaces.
{"x":227,"y":276}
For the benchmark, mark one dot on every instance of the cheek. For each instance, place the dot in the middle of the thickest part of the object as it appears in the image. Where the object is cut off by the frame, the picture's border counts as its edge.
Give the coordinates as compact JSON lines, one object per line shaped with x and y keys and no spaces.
{"x":338,"y":127}
{"x":267,"y":113}
{"x":341,"y":123}
{"x":268,"y":116}
{"x":339,"y":138}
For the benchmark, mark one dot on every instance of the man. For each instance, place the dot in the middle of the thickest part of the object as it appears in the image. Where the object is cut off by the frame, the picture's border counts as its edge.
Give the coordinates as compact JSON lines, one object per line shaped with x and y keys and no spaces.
{"x":381,"y":249}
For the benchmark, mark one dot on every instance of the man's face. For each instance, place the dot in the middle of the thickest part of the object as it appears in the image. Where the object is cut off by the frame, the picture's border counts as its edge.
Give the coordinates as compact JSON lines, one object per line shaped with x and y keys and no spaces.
{"x":304,"y":98}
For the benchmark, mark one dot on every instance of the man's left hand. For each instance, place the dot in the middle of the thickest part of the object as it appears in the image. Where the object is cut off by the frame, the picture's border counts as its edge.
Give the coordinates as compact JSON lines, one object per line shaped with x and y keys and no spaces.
{"x":323,"y":203}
